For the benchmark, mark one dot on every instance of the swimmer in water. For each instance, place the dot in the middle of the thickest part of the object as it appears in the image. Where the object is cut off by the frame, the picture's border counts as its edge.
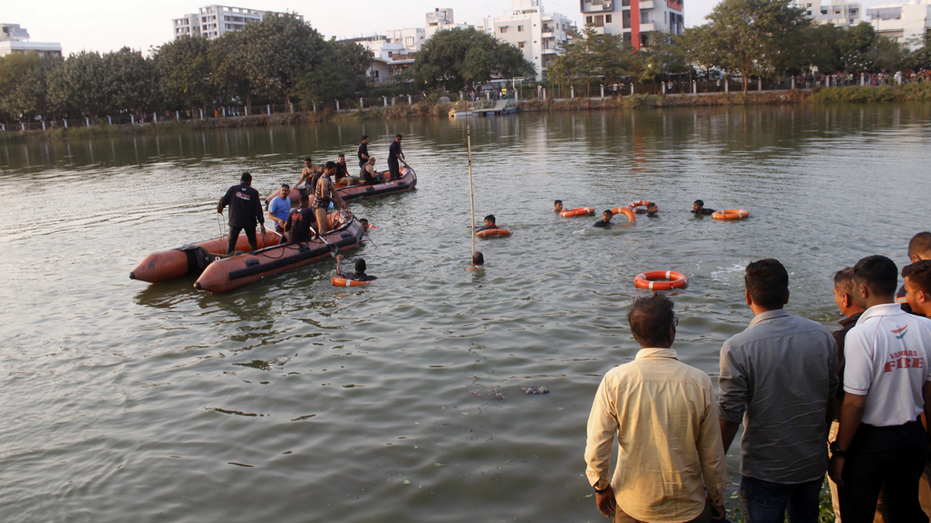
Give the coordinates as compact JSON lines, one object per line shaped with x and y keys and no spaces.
{"x":478,"y":262}
{"x":605,"y":220}
{"x":557,"y":206}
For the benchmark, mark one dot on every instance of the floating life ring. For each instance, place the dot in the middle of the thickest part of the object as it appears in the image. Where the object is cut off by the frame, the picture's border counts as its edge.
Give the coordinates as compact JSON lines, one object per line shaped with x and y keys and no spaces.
{"x":343,"y":282}
{"x":581,"y":211}
{"x":641,"y":203}
{"x":646,"y":280}
{"x":631,"y":215}
{"x":487,"y":233}
{"x":730,"y":214}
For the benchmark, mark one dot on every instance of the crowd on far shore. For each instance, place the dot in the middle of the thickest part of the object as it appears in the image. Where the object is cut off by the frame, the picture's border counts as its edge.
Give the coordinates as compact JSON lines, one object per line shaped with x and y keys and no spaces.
{"x":851,"y":404}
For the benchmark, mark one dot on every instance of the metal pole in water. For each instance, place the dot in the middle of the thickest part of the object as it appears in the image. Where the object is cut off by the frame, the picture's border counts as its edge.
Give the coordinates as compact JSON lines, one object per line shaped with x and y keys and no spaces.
{"x":471,"y":198}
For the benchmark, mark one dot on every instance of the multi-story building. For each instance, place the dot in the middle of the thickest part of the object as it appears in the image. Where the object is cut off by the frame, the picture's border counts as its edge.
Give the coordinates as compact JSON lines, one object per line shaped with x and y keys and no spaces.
{"x":213,"y":21}
{"x":15,"y":39}
{"x":388,"y":58}
{"x":837,"y":12}
{"x":532,"y":30}
{"x":905,"y":22}
{"x":634,"y":18}
{"x":413,"y":38}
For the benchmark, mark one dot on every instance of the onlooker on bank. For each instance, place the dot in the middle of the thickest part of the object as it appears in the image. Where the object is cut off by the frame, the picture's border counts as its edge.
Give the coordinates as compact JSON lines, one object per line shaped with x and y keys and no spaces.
{"x":919,"y":248}
{"x":663,"y":414}
{"x":880,"y":439}
{"x":918,"y":287}
{"x":779,"y":377}
{"x":843,"y":298}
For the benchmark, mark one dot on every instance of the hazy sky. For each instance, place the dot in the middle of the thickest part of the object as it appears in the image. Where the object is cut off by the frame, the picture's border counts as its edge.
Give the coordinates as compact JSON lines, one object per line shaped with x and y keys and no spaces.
{"x":106,"y":25}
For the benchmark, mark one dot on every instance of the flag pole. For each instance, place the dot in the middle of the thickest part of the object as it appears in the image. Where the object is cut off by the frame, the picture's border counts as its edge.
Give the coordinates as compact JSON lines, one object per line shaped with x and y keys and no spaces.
{"x":471,"y":198}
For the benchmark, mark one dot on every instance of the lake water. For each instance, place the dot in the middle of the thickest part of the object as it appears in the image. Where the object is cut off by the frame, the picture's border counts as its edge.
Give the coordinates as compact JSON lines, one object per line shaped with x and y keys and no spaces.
{"x":293,"y":400}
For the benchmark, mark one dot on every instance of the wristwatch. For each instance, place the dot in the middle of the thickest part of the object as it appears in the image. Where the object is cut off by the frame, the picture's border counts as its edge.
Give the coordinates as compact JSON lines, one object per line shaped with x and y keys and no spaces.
{"x":600,"y":491}
{"x":836,"y":451}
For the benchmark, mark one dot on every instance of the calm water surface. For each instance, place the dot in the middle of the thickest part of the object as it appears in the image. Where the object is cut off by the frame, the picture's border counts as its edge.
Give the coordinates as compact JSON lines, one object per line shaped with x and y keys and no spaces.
{"x":292,"y":400}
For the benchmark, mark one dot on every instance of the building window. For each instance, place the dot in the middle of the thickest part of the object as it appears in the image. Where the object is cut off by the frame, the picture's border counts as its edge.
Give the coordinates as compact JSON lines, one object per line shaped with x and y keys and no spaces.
{"x":625,"y":19}
{"x":644,"y":41}
{"x":589,"y":20}
{"x":520,"y":28}
{"x":824,"y":10}
{"x":599,"y":21}
{"x":625,"y":3}
{"x":607,"y":19}
{"x":520,"y":45}
{"x":627,"y":38}
{"x":409,"y":41}
{"x":809,"y":13}
{"x":645,"y":17}
{"x":504,"y":29}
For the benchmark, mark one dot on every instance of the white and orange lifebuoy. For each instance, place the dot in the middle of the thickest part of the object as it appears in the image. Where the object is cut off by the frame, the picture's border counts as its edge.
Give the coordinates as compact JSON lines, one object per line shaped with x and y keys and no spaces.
{"x":343,"y":282}
{"x":730,"y":214}
{"x":488,"y":233}
{"x":647,"y":280}
{"x":640,"y":203}
{"x":581,"y":211}
{"x":631,"y":215}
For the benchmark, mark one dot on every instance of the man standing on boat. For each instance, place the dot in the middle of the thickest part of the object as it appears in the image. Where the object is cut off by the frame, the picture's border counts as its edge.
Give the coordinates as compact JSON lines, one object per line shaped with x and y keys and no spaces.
{"x":245,"y":211}
{"x":364,"y":150}
{"x":394,"y":155}
{"x":325,"y":194}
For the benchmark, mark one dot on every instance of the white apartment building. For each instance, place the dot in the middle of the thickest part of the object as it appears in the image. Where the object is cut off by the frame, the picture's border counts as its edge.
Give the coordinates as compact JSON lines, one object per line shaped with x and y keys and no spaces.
{"x":213,"y":21}
{"x":529,"y":28}
{"x":839,"y":13}
{"x":904,"y":22}
{"x":413,"y":38}
{"x":15,"y":39}
{"x":634,"y":18}
{"x":388,"y":58}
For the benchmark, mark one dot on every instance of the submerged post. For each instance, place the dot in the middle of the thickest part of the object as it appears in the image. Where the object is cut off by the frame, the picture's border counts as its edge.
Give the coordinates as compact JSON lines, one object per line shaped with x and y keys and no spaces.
{"x":471,"y":199}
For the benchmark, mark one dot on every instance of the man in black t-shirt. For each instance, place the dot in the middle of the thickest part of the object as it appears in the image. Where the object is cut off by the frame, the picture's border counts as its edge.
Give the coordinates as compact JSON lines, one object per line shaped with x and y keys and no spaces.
{"x":394,"y":156}
{"x":245,"y":211}
{"x":650,"y":211}
{"x":605,"y":220}
{"x":359,"y":275}
{"x":364,"y":150}
{"x":297,"y":228}
{"x":699,"y":208}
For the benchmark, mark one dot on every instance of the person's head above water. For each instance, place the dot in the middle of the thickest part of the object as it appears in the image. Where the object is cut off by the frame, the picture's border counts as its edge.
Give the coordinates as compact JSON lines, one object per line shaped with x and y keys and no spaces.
{"x":606,"y":216}
{"x":490,"y":220}
{"x":360,"y":266}
{"x":652,"y":207}
{"x":698,"y":205}
{"x":558,"y":205}
{"x":478,"y":259}
{"x":364,"y":222}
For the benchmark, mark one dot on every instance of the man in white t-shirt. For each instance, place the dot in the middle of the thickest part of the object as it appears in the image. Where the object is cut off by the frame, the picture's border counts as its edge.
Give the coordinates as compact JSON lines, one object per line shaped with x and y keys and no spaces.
{"x":881,"y":439}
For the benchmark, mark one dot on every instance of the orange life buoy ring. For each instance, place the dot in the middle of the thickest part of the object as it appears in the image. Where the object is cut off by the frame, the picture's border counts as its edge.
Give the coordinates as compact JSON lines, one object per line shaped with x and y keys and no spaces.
{"x":631,"y":215}
{"x":646,"y":280}
{"x":487,"y":233}
{"x":581,"y":211}
{"x":730,"y":214}
{"x":343,"y":282}
{"x":640,"y":203}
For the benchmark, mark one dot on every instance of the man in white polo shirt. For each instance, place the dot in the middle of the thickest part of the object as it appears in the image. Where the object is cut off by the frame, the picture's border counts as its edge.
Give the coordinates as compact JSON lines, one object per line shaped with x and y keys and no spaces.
{"x":881,"y":439}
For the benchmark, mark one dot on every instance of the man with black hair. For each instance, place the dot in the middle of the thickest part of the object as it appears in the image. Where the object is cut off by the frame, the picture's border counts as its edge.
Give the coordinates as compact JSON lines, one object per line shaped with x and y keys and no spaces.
{"x":880,"y":439}
{"x":843,"y":298}
{"x":778,"y":377}
{"x":605,"y":220}
{"x":478,"y":261}
{"x":557,"y":206}
{"x":364,"y":150}
{"x":359,"y":275}
{"x":918,"y":287}
{"x":698,"y":207}
{"x":299,"y":222}
{"x":669,"y":444}
{"x":394,"y":156}
{"x":324,"y":195}
{"x":919,"y":248}
{"x":245,"y":211}
{"x":489,"y":223}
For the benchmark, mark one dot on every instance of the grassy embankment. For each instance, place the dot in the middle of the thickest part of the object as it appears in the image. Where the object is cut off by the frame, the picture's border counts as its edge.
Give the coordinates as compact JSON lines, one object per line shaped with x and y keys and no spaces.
{"x":856,"y":94}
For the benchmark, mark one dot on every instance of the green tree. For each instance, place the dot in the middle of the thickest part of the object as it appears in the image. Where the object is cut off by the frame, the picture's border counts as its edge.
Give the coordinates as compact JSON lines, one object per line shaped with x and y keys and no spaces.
{"x":184,"y":72}
{"x":80,"y":86}
{"x":230,"y":79}
{"x":132,"y":81}
{"x":15,"y":72}
{"x":279,"y":50}
{"x":754,"y":37}
{"x":458,"y":58}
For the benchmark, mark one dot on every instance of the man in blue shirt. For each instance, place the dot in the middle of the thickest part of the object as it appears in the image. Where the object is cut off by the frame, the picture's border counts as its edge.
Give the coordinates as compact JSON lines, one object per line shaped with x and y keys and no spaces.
{"x":280,"y":208}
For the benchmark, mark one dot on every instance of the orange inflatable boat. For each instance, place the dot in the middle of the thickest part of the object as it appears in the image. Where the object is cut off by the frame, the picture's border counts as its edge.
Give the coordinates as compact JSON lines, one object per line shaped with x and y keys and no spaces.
{"x":191,"y":259}
{"x":230,"y":273}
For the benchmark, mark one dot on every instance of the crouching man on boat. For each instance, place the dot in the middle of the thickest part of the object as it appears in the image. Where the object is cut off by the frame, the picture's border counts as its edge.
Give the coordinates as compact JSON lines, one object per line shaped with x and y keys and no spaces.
{"x":359,"y":275}
{"x":300,"y":221}
{"x":367,"y":174}
{"x":245,"y":211}
{"x":324,"y":194}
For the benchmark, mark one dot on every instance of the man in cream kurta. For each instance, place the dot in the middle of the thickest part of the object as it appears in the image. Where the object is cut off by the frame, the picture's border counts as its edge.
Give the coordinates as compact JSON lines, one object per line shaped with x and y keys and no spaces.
{"x":665,"y":418}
